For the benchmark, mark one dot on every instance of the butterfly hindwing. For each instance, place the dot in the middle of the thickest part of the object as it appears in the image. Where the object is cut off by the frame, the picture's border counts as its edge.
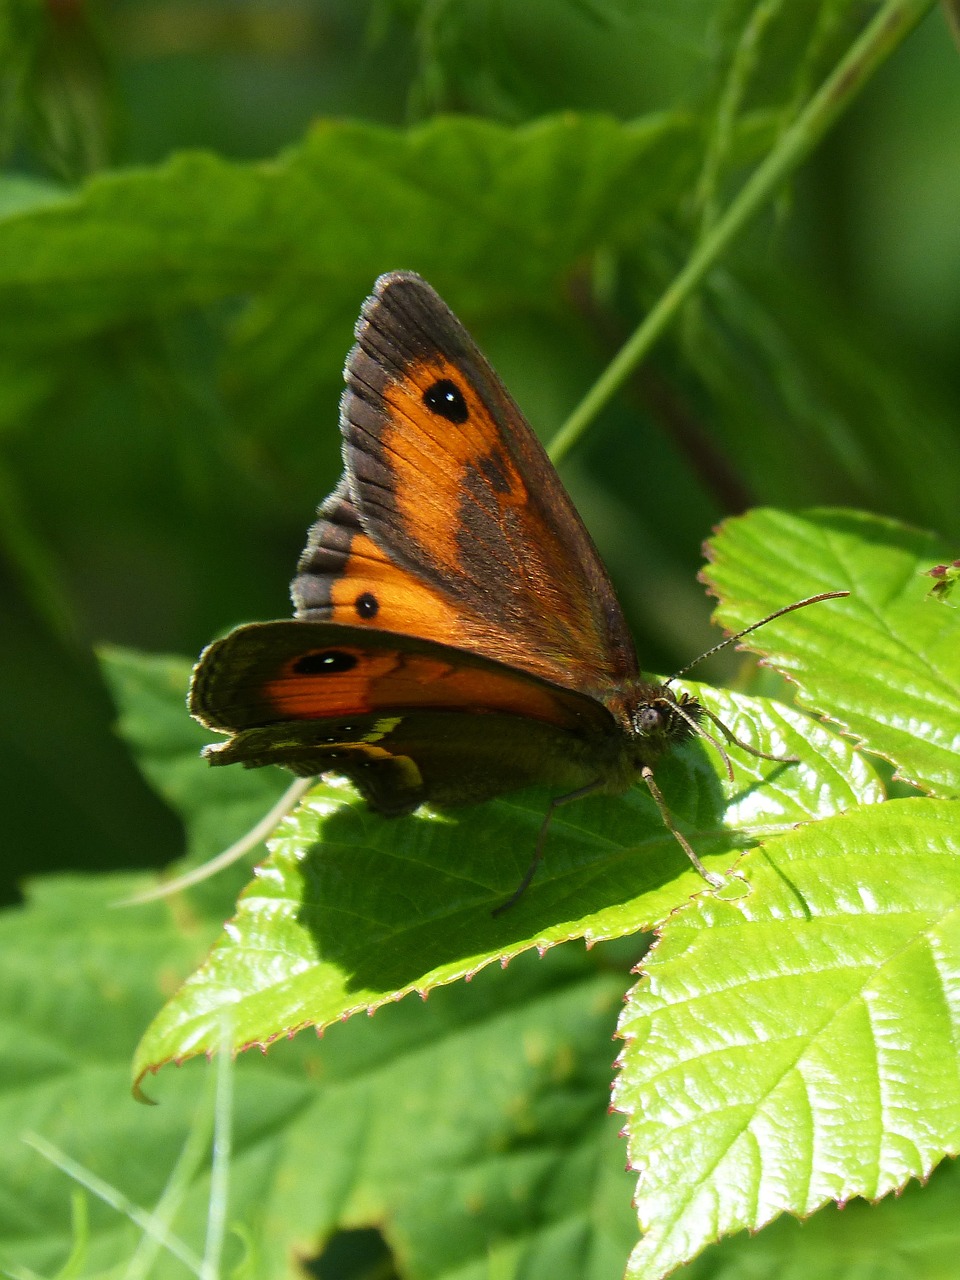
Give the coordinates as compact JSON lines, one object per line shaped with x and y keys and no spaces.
{"x":399,"y":761}
{"x":405,"y":719}
{"x":451,"y":522}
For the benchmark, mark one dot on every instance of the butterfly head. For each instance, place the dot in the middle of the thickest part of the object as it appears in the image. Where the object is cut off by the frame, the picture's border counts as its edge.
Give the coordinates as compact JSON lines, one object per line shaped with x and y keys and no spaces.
{"x":660,"y":717}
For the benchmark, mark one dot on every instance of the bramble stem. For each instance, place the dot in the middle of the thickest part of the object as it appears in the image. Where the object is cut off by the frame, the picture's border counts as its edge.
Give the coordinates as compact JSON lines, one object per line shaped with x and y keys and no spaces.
{"x":888,"y":29}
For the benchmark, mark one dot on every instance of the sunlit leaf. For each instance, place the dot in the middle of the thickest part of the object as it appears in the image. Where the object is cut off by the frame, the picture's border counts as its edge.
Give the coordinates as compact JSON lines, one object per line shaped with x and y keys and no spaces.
{"x":797,"y":1044}
{"x":884,"y":663}
{"x":352,"y":910}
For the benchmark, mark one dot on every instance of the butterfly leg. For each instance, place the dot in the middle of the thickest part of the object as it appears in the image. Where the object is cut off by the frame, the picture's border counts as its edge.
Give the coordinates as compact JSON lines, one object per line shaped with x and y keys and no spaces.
{"x":531,"y":871}
{"x":646,"y":773}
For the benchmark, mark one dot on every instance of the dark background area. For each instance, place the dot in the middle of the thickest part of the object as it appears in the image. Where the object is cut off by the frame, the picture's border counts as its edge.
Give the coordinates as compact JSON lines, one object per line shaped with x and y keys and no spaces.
{"x":155,"y":490}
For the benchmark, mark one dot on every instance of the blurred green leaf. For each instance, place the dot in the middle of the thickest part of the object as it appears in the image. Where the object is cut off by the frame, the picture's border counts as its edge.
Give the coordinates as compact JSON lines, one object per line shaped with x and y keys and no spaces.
{"x":221,"y":296}
{"x":771,"y":58}
{"x":809,"y":407}
{"x":452,"y":198}
{"x":900,"y":1238}
{"x":75,"y":978}
{"x":218,"y":805}
{"x":482,"y":57}
{"x":798,"y":1044}
{"x":522,"y":1162}
{"x":21,"y":194}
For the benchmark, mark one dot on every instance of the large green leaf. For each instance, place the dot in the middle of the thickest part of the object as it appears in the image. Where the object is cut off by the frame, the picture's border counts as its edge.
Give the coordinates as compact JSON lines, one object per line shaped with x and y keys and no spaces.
{"x":807,"y":408}
{"x":75,"y":977}
{"x":471,"y":1127}
{"x":352,"y":910}
{"x":884,"y":663}
{"x":799,"y":1043}
{"x":354,"y":199}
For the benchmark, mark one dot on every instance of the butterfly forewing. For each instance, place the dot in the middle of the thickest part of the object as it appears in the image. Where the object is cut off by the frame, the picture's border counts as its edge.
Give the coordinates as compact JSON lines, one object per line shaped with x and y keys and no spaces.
{"x":451,"y":523}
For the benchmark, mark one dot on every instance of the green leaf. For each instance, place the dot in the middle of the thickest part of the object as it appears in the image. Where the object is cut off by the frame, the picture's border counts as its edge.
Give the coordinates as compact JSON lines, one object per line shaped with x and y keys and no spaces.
{"x":352,"y":910}
{"x":809,"y":408}
{"x":21,"y":194}
{"x":452,"y":198}
{"x":884,"y":663}
{"x":218,"y":806}
{"x":798,"y":1044}
{"x":515,"y":1157}
{"x":916,"y":1233}
{"x":75,"y":978}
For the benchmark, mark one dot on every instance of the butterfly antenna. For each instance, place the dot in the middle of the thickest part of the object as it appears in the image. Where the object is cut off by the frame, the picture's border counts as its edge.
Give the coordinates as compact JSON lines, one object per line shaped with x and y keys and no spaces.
{"x":250,"y":840}
{"x":677,"y":710}
{"x":789,"y":608}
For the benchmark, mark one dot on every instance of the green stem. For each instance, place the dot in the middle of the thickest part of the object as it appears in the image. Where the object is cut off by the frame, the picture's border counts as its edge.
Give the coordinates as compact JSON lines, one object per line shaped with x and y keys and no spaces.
{"x":222,"y":1149}
{"x":888,"y":29}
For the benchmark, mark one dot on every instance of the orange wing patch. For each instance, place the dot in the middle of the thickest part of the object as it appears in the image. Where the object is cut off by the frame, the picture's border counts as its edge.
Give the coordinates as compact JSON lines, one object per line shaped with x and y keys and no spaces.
{"x":373,"y":590}
{"x":345,"y":577}
{"x":436,"y":417}
{"x":345,"y":680}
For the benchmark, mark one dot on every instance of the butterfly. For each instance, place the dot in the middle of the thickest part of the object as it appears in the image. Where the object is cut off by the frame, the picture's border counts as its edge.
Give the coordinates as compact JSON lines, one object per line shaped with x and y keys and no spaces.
{"x":456,"y":636}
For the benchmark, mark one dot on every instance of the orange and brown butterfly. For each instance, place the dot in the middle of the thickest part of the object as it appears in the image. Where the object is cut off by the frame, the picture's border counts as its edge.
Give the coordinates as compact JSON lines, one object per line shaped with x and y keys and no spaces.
{"x":456,"y":635}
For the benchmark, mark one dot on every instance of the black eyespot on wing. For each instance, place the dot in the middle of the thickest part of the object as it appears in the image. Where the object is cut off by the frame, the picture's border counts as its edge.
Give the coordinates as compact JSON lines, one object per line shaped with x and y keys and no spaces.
{"x":446,"y":399}
{"x":324,"y":662}
{"x":367,"y":605}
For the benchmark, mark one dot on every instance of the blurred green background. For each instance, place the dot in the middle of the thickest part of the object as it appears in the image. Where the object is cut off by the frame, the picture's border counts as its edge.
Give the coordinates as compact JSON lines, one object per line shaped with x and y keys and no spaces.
{"x":160,"y":460}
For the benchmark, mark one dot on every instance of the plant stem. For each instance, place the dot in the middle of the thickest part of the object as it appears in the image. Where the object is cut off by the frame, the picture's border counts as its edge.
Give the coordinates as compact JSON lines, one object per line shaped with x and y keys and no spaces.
{"x":888,"y":29}
{"x":114,"y":1198}
{"x":222,"y":1151}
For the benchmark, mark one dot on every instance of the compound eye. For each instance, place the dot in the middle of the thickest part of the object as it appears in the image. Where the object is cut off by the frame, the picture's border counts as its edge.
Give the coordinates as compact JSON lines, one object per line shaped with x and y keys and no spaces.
{"x":650,"y":719}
